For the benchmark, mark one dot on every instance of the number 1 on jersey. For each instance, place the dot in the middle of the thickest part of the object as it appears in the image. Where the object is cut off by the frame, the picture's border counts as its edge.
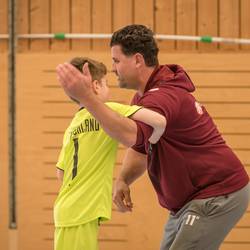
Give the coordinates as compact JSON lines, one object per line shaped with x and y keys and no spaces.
{"x":76,"y":146}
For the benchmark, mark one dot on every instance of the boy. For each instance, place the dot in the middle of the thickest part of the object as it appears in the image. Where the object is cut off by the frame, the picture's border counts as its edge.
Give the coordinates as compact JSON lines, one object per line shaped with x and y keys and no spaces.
{"x":86,"y":164}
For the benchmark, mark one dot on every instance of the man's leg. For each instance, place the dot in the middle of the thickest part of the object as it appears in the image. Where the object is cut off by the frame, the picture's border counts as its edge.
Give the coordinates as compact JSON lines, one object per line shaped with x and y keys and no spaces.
{"x":170,"y":232}
{"x":205,"y":223}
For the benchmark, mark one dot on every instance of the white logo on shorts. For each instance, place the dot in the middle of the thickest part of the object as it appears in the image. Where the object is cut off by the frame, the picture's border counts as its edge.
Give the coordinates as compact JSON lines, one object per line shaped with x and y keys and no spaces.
{"x":190,"y":219}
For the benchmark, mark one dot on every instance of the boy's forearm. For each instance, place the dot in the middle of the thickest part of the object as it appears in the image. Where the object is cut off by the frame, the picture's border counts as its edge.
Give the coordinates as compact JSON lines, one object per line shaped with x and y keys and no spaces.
{"x":121,"y":128}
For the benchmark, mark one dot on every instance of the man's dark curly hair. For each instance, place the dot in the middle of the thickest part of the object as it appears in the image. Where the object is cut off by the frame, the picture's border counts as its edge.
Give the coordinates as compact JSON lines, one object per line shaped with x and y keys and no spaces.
{"x":137,"y":39}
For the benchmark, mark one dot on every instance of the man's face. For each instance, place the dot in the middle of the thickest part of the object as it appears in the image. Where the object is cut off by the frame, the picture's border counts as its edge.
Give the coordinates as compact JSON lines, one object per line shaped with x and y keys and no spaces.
{"x":125,"y":68}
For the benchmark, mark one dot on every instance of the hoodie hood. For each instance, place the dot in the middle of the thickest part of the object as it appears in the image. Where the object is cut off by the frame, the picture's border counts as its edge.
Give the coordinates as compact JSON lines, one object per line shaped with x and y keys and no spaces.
{"x":170,"y":75}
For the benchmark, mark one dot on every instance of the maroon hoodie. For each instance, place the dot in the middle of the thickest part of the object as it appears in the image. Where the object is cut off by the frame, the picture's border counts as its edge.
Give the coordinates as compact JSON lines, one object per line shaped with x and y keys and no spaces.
{"x":191,"y":160}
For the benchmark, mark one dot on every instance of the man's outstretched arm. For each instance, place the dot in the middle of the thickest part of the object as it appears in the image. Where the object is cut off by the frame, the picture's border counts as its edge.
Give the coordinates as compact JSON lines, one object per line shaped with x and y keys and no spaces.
{"x":78,"y":85}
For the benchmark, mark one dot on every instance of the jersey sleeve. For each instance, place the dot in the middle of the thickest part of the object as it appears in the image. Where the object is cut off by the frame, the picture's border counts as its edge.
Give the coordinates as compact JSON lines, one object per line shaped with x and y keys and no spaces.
{"x":122,"y":109}
{"x":143,"y":133}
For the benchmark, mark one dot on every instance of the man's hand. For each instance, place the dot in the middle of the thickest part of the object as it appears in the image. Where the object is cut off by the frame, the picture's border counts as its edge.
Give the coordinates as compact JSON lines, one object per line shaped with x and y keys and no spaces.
{"x":75,"y":84}
{"x":121,"y":197}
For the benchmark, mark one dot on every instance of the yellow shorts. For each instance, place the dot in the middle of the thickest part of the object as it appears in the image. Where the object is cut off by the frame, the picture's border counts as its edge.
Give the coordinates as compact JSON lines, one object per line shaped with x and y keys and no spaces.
{"x":82,"y":237}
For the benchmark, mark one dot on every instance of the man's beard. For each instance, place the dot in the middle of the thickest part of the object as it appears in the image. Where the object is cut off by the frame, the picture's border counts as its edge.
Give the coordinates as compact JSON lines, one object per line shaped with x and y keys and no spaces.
{"x":126,"y":85}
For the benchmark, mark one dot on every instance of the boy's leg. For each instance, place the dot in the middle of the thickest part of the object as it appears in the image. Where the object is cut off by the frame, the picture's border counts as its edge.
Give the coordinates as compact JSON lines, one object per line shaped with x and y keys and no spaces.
{"x":205,"y":223}
{"x":82,"y":237}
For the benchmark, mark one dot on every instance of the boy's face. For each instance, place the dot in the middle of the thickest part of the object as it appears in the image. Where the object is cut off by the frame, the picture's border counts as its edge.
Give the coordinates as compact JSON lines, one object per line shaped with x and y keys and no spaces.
{"x":102,"y":89}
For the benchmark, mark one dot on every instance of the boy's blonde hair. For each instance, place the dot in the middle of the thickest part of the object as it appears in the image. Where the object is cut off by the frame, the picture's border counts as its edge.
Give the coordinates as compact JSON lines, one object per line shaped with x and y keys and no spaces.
{"x":97,"y":69}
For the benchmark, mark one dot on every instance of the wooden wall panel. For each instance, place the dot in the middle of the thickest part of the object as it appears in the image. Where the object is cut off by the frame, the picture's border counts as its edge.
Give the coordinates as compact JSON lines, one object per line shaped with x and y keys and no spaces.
{"x":39,"y":23}
{"x":239,"y":126}
{"x":207,"y":22}
{"x":223,"y":95}
{"x":29,"y":154}
{"x":227,"y":110}
{"x":222,"y":83}
{"x":3,"y":24}
{"x":144,"y":12}
{"x":221,"y":79}
{"x":122,"y":13}
{"x":244,"y":22}
{"x":186,"y":15}
{"x":226,"y":18}
{"x":230,"y":246}
{"x":81,"y":23}
{"x":165,"y":16}
{"x":4,"y":214}
{"x":229,"y":21}
{"x":60,"y":23}
{"x":230,"y":63}
{"x":102,"y":22}
{"x":23,"y":24}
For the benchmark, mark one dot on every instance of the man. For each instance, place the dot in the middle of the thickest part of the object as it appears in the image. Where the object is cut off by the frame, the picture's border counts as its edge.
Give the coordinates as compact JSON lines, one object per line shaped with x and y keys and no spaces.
{"x":194,"y":172}
{"x":85,"y":166}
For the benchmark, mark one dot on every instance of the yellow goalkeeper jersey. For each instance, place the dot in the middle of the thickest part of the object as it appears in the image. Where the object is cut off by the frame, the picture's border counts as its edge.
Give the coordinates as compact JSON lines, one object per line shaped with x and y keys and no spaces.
{"x":87,"y":157}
